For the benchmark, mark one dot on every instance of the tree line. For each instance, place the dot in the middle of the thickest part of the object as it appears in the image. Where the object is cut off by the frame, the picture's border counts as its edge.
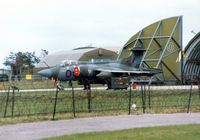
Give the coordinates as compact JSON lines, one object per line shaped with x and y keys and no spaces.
{"x":23,"y":62}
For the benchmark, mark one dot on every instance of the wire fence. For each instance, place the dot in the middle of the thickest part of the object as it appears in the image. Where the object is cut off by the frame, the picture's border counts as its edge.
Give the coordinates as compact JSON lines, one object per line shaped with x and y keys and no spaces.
{"x":25,"y":98}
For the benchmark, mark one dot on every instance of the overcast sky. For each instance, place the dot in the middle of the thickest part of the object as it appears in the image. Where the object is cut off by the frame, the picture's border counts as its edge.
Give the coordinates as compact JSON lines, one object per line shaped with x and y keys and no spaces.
{"x":55,"y":25}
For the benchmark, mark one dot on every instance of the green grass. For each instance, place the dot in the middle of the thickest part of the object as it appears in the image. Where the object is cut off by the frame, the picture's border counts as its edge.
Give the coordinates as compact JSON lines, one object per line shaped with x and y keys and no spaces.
{"x":40,"y":84}
{"x":181,"y":132}
{"x":25,"y":84}
{"x":101,"y":101}
{"x":37,"y":106}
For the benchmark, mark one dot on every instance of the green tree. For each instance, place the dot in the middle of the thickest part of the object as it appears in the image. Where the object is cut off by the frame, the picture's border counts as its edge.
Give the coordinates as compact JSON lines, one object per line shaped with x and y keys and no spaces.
{"x":21,"y":62}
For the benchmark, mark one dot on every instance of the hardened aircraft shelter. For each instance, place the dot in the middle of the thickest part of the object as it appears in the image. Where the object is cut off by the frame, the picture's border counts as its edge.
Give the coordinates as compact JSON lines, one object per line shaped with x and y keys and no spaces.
{"x":79,"y":54}
{"x":163,"y":43}
{"x":192,"y":58}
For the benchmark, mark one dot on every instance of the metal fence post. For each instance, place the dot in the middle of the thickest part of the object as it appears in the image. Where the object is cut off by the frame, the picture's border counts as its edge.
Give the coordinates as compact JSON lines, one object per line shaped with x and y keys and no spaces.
{"x":189,"y":99}
{"x":129,"y":109}
{"x":13,"y":101}
{"x":55,"y":103}
{"x":7,"y":99}
{"x":149,"y":92}
{"x":143,"y":91}
{"x":89,"y":99}
{"x":73,"y":100}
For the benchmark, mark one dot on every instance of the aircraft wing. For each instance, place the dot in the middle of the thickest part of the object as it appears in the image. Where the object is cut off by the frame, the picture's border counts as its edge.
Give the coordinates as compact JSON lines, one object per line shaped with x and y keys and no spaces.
{"x":130,"y":72}
{"x":124,"y":71}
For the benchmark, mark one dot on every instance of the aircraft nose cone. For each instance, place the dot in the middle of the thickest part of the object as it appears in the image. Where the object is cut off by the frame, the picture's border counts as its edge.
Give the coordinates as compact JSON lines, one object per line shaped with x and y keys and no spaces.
{"x":46,"y":73}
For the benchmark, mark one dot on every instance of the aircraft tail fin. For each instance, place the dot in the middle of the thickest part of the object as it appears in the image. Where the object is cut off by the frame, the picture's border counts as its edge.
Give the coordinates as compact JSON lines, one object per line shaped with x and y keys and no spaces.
{"x":135,"y":58}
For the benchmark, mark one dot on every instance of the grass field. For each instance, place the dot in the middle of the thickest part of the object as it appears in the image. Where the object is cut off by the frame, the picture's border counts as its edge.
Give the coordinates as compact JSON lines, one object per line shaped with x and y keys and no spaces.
{"x":37,"y":106}
{"x":35,"y":103}
{"x":37,"y":84}
{"x":40,"y":105}
{"x":181,"y":132}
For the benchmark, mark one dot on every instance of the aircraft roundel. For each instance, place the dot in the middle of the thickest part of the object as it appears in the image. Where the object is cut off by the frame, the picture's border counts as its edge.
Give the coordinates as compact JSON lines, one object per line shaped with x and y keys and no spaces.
{"x":76,"y":71}
{"x":68,"y":73}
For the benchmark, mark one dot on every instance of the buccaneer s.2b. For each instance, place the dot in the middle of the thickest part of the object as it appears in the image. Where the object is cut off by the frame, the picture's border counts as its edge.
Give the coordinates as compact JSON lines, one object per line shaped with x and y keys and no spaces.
{"x":156,"y":49}
{"x":87,"y":73}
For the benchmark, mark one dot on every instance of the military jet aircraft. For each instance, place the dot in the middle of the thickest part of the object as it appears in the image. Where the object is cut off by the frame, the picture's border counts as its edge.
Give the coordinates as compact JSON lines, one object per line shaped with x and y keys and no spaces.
{"x":87,"y":73}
